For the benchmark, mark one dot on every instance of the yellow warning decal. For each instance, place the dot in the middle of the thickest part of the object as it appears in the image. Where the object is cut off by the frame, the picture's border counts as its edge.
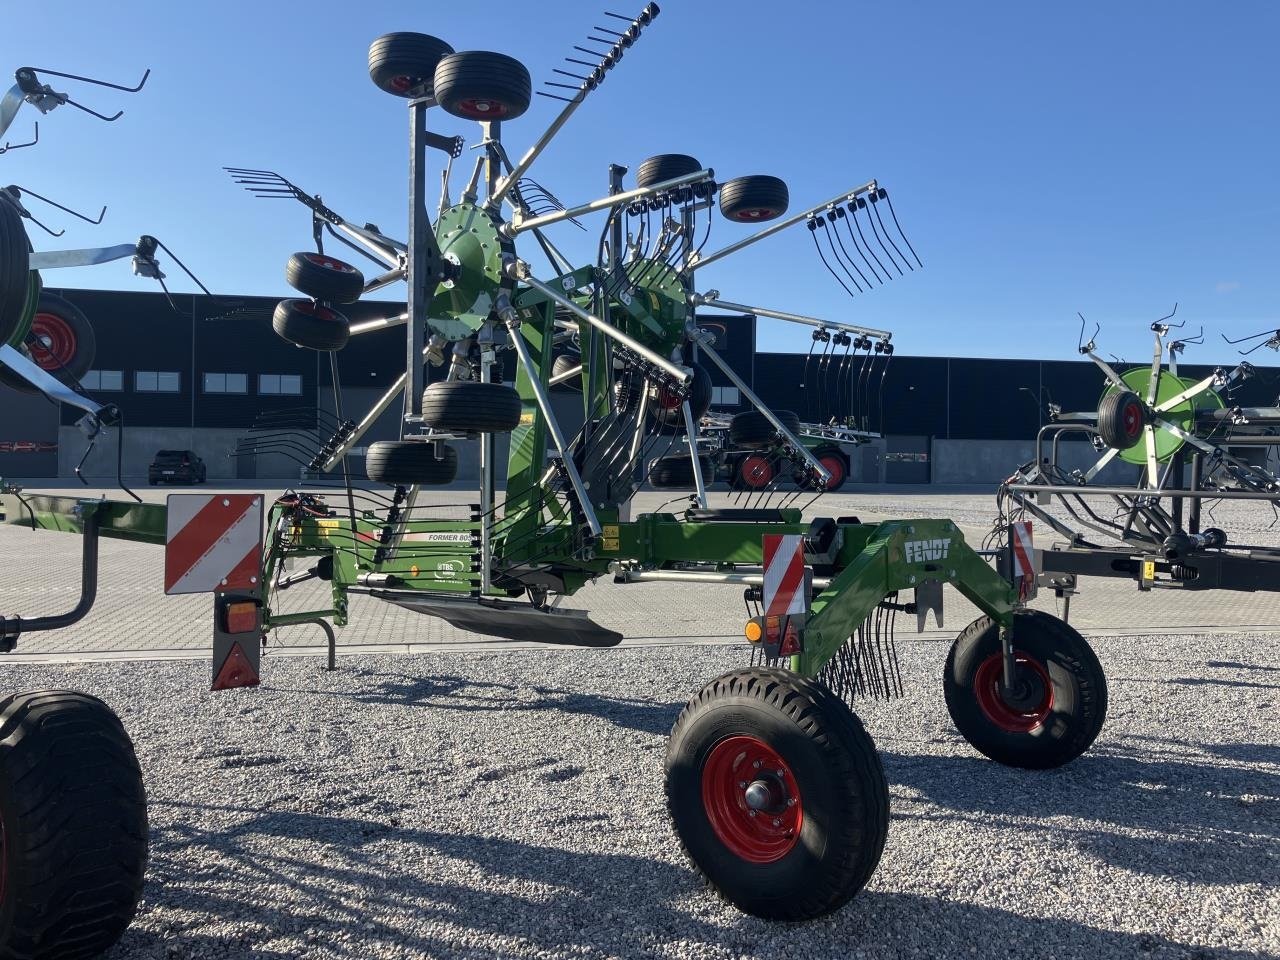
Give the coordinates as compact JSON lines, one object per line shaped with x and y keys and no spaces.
{"x":611,"y":545}
{"x":1148,"y":569}
{"x":610,"y":531}
{"x":526,"y":418}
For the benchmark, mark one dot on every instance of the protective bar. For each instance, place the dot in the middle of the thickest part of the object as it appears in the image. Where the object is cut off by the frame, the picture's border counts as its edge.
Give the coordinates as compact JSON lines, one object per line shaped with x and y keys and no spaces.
{"x":699,"y":261}
{"x":791,"y":317}
{"x":691,"y":431}
{"x":513,"y":227}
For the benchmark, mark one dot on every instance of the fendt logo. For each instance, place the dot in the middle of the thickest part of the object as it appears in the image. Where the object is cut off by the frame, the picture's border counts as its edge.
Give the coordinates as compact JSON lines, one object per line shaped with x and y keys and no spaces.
{"x":922,"y":551}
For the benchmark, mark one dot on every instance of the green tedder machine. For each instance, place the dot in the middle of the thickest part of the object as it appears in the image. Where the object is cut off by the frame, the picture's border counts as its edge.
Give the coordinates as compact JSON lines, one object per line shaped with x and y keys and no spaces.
{"x":774,"y":789}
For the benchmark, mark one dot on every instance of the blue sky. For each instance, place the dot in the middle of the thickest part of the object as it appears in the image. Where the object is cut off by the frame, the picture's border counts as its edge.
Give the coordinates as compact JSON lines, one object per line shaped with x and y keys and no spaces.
{"x":1044,"y":158}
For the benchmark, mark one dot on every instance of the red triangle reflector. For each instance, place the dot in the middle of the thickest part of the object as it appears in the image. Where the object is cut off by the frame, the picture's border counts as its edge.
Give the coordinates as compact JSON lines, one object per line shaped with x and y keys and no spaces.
{"x":236,"y":671}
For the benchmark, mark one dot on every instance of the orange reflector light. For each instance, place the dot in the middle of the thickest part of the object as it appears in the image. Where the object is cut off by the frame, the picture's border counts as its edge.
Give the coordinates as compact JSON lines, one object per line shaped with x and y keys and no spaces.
{"x":242,"y":617}
{"x":753,"y":631}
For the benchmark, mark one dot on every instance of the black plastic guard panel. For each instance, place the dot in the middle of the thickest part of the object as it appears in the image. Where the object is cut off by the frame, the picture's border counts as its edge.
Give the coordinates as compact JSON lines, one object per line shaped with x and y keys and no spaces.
{"x":510,"y":620}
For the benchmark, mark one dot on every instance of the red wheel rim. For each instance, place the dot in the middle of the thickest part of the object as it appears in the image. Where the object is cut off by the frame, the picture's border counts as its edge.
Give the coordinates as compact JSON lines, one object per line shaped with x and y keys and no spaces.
{"x":320,"y":260}
{"x":755,"y":213}
{"x":480,"y":108}
{"x":402,"y":83}
{"x":835,"y":467}
{"x":1032,"y":697}
{"x":751,"y":799}
{"x":1132,"y":420}
{"x":667,"y":400}
{"x":756,"y":472}
{"x":315,"y":309}
{"x":53,"y":342}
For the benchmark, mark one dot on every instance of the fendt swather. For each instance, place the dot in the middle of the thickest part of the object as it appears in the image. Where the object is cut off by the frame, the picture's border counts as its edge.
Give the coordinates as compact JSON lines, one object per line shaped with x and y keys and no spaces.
{"x":774,"y":788}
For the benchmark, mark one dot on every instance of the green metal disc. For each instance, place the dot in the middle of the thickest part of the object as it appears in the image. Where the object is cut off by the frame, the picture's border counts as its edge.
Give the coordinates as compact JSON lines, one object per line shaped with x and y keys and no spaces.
{"x":1138,"y":379}
{"x":469,"y":238}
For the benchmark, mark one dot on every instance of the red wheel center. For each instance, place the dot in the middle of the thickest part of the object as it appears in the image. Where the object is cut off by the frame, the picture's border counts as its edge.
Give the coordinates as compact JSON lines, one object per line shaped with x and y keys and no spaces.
{"x":402,"y":83}
{"x":54,"y":342}
{"x":751,"y":799}
{"x":315,"y":309}
{"x":668,"y":400}
{"x":834,"y":467}
{"x":320,"y":260}
{"x":755,"y":213}
{"x":1132,"y":419}
{"x":756,"y":472}
{"x":1027,"y":705}
{"x":481,"y":109}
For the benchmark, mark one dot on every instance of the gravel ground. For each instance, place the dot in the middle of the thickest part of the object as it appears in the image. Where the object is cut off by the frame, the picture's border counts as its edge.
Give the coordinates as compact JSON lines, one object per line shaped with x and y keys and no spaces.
{"x":510,"y":805}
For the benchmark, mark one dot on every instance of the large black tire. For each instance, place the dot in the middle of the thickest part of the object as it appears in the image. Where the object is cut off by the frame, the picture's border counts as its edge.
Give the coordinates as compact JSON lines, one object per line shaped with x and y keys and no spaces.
{"x":402,"y":463}
{"x":305,"y":323}
{"x":1061,"y":697}
{"x":324,"y":278}
{"x":15,"y":264}
{"x":404,"y":64}
{"x":479,"y":85}
{"x":665,"y":166}
{"x":751,"y":429}
{"x":469,"y":406}
{"x":563,"y":364}
{"x":754,"y":199}
{"x":676,"y":473}
{"x":73,"y":826}
{"x":1121,"y":419}
{"x":791,"y":861}
{"x":669,"y":413}
{"x":61,"y":341}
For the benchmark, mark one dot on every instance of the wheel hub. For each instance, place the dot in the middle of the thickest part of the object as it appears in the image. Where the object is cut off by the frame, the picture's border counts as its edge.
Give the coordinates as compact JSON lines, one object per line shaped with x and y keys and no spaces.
{"x":1020,"y":708}
{"x":751,"y":799}
{"x":55,"y":342}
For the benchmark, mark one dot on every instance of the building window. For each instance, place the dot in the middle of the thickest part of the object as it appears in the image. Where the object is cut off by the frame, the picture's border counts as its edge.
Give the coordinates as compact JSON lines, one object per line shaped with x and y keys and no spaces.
{"x":157,"y":381}
{"x":226,"y":383}
{"x":103,"y":380}
{"x":725,"y":397}
{"x":277,"y":383}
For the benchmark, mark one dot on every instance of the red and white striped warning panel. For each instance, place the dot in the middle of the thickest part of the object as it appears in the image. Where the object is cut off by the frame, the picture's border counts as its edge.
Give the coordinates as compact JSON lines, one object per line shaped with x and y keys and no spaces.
{"x":212,"y":542}
{"x":784,"y":591}
{"x":1023,"y":554}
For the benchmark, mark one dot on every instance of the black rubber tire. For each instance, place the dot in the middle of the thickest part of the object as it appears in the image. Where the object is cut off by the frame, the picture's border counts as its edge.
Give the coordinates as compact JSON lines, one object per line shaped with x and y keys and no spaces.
{"x":64,"y":324}
{"x":563,"y":364}
{"x":671,"y":419}
{"x":323,"y":277}
{"x":402,"y":463}
{"x":73,"y":823}
{"x":305,"y":323}
{"x":404,"y":64}
{"x":665,"y":166}
{"x":479,"y":85}
{"x":841,"y":785}
{"x":676,"y":472}
{"x":1121,"y":419}
{"x":15,"y":264}
{"x":752,"y":430}
{"x":754,"y":199}
{"x":468,"y":406}
{"x":1076,"y":710}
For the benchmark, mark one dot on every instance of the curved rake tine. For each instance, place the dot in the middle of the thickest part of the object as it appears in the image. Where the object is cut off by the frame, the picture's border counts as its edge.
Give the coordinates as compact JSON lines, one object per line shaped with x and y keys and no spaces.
{"x":861,"y":204}
{"x":876,"y":207}
{"x":884,"y":195}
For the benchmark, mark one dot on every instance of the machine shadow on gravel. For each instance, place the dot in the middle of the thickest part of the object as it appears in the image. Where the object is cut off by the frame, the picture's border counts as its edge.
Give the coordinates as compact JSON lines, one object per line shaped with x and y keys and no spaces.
{"x":605,"y":903}
{"x":1198,"y":810}
{"x":450,"y":692}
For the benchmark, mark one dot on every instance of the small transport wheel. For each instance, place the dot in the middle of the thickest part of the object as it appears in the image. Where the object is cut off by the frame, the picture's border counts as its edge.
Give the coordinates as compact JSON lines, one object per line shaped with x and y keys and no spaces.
{"x":305,"y":323}
{"x":60,"y":341}
{"x":323,"y":277}
{"x":73,"y":826}
{"x":1058,"y":703}
{"x":668,"y":411}
{"x":676,"y":472}
{"x":754,"y":199}
{"x":836,"y":464}
{"x":403,"y":463}
{"x":776,"y":793}
{"x":755,"y":472}
{"x":663,"y":167}
{"x":15,"y":264}
{"x":1121,"y":418}
{"x":752,"y":429}
{"x":563,"y":364}
{"x":469,"y":406}
{"x":479,"y":85}
{"x":404,"y":64}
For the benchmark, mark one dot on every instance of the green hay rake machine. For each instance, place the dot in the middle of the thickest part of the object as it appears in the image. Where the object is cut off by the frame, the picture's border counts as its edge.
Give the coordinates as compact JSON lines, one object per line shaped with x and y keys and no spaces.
{"x":773,"y":786}
{"x":1187,"y":442}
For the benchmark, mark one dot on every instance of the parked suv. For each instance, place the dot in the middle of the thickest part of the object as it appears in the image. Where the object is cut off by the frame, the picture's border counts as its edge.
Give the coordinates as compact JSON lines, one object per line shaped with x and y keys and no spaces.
{"x":176,"y":466}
